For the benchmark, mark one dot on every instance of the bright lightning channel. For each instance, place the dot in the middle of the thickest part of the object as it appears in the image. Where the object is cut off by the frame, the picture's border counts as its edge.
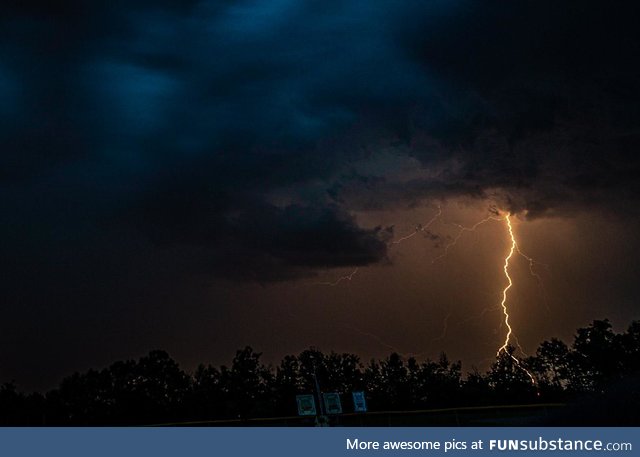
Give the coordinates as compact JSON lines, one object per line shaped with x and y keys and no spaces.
{"x":505,"y":311}
{"x":503,"y":303}
{"x":514,"y":248}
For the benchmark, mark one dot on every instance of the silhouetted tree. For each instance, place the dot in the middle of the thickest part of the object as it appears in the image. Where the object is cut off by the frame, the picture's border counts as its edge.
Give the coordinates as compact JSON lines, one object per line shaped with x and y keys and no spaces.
{"x":85,"y":399}
{"x":596,"y":358}
{"x":288,"y":383}
{"x":11,"y":404}
{"x":374,"y":385}
{"x":395,"y":391}
{"x":206,"y":400}
{"x":508,"y":378}
{"x":630,"y":342}
{"x":475,"y":390}
{"x":344,"y":373}
{"x":441,"y":381}
{"x":247,"y":382}
{"x":551,"y":367}
{"x":600,"y":368}
{"x":159,"y":386}
{"x":313,"y":364}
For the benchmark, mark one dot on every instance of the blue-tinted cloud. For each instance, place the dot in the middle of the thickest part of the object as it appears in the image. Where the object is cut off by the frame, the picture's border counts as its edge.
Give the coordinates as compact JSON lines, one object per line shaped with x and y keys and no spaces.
{"x":172,"y":121}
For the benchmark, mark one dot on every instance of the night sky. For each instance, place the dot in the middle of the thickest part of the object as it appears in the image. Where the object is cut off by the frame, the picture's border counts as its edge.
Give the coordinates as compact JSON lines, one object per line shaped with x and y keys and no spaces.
{"x":195,"y":175}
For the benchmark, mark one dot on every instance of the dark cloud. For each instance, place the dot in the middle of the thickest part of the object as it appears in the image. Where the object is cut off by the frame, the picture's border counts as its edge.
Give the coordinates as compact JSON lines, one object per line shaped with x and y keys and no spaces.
{"x":176,"y":120}
{"x":541,"y":102}
{"x":235,"y":126}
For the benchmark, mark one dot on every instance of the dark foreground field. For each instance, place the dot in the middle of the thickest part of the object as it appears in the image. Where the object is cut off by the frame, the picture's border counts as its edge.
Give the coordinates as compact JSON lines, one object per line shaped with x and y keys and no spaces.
{"x":516,"y":415}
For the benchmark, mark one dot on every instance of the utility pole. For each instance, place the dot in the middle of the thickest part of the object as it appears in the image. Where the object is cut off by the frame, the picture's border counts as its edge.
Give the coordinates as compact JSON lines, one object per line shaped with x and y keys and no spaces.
{"x":321,"y":420}
{"x":318,"y":392}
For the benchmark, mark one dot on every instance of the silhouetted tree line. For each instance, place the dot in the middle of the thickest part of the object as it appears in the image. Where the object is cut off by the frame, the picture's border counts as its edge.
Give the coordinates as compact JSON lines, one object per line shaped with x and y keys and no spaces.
{"x":155,"y":390}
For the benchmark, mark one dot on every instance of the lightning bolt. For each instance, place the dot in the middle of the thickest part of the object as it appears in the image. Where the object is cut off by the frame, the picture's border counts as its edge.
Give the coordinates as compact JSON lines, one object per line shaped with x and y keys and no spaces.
{"x":505,"y":311}
{"x":382,"y":342}
{"x":419,"y":228}
{"x":532,"y":263}
{"x":514,"y":248}
{"x":462,"y":232}
{"x":480,"y":315}
{"x":370,"y":335}
{"x":348,"y":277}
{"x":445,"y":327}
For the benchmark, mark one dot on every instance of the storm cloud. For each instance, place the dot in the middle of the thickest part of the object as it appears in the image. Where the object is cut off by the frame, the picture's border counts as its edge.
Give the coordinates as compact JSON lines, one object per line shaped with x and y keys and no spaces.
{"x":236,"y":127}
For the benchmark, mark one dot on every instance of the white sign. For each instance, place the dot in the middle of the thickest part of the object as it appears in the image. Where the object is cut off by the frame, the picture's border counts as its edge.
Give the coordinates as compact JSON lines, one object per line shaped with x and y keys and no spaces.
{"x":306,"y":405}
{"x":359,"y":402}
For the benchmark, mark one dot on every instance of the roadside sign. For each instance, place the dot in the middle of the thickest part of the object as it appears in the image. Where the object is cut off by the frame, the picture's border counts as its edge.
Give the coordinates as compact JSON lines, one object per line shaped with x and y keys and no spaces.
{"x":332,"y":403}
{"x":359,"y":402}
{"x":306,"y":405}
